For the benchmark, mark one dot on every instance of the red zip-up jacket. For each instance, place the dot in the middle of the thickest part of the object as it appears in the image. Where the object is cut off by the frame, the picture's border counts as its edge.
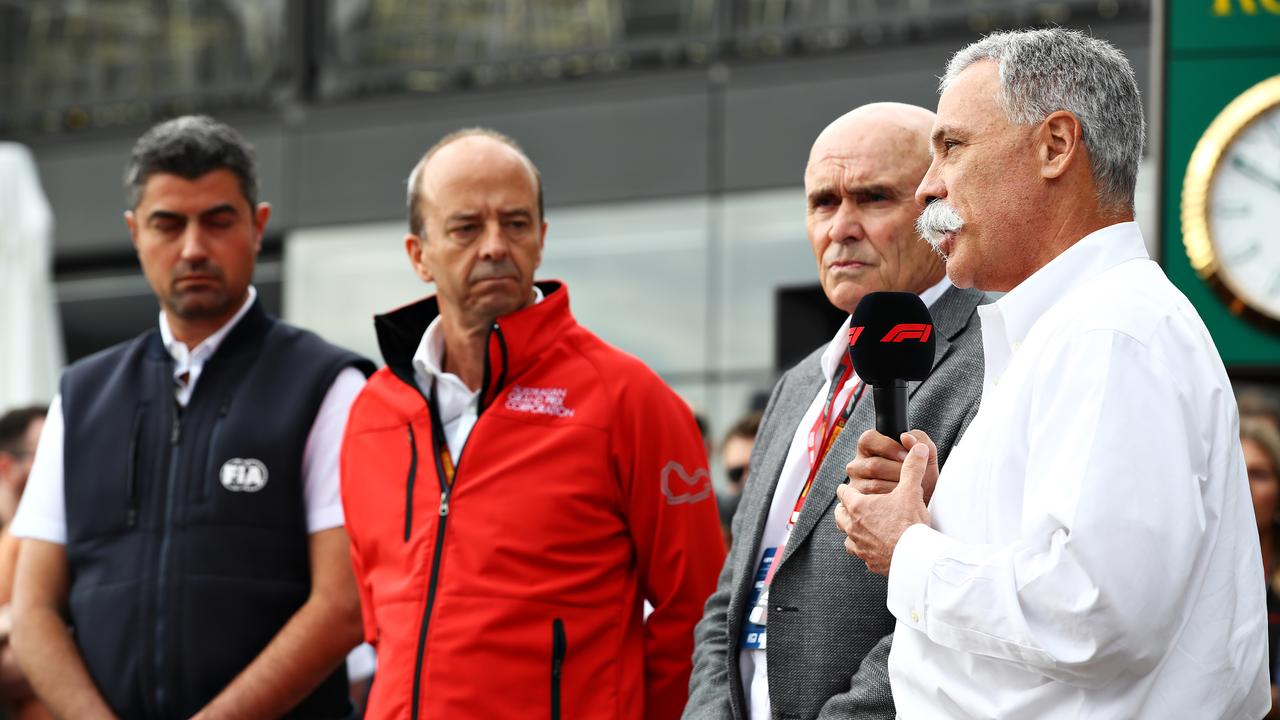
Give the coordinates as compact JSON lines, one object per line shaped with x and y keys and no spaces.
{"x":518,"y":590}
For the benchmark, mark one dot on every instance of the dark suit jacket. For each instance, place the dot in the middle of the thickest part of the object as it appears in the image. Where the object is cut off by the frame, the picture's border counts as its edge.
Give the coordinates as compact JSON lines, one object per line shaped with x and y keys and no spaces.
{"x":828,"y":648}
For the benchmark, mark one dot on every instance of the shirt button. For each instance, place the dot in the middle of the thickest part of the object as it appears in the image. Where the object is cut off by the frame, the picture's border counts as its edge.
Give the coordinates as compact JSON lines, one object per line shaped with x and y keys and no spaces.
{"x":915,"y":617}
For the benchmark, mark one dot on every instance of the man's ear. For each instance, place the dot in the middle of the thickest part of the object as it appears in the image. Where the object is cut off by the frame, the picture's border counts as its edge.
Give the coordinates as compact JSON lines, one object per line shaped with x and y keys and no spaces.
{"x":415,"y":248}
{"x":261,"y":214}
{"x":131,"y":222}
{"x":1060,"y":143}
{"x":542,"y":241}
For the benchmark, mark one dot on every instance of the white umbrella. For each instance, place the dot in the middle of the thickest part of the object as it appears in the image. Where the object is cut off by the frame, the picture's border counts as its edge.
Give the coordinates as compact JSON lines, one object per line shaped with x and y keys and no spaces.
{"x":31,"y":351}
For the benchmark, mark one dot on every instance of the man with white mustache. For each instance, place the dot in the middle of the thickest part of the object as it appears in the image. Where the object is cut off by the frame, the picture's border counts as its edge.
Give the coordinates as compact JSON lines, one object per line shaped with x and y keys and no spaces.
{"x":1090,"y":550}
{"x":815,"y":642}
{"x":515,"y":488}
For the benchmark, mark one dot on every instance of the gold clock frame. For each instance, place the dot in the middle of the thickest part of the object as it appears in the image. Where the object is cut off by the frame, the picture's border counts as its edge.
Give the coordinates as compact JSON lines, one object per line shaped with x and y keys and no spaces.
{"x":1196,"y":236}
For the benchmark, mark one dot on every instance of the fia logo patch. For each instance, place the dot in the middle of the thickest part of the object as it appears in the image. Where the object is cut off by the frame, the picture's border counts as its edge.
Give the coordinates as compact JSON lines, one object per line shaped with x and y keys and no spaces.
{"x":243,"y":475}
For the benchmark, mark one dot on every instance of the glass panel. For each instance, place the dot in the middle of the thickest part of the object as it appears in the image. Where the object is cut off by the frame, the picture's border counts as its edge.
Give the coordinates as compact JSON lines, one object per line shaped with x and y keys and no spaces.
{"x":80,"y":65}
{"x":337,"y":278}
{"x":637,"y":276}
{"x":765,"y":248}
{"x":635,"y":271}
{"x":408,"y":45}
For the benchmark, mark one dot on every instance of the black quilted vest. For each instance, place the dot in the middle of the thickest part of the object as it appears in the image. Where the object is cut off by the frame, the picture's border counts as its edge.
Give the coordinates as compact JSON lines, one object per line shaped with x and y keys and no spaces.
{"x":186,"y":530}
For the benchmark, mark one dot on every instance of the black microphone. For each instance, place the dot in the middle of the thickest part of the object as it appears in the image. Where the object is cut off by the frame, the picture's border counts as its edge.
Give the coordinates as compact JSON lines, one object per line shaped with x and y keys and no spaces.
{"x":890,"y":344}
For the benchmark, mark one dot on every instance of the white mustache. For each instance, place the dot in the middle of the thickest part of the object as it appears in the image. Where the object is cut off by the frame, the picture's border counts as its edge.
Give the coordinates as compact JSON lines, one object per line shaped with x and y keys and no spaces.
{"x":937,"y":220}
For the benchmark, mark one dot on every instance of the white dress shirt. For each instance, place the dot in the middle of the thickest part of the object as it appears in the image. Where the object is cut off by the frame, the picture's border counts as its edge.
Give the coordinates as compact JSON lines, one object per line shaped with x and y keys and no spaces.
{"x":753,"y":664}
{"x":42,"y":513}
{"x":1093,"y":551}
{"x":457,"y":404}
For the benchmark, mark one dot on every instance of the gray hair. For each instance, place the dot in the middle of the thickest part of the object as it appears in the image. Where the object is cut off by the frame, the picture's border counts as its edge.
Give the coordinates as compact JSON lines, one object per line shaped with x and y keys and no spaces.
{"x":1043,"y":71}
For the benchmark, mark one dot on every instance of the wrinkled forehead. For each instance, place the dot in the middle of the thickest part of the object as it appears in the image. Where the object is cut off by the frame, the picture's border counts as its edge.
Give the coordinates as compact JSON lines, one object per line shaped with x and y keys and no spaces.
{"x":895,"y":156}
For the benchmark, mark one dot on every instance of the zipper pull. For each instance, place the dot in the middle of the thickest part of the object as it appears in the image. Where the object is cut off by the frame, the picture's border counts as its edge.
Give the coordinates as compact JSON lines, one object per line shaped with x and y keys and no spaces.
{"x":444,"y":504}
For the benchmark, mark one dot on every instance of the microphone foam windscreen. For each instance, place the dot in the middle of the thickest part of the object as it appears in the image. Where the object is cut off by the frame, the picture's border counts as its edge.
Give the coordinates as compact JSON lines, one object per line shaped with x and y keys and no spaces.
{"x":891,"y":338}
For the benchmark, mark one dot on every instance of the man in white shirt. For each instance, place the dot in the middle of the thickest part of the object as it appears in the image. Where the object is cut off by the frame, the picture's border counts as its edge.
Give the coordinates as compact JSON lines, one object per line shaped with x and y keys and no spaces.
{"x":183,"y":547}
{"x":815,"y":643}
{"x":1089,"y":551}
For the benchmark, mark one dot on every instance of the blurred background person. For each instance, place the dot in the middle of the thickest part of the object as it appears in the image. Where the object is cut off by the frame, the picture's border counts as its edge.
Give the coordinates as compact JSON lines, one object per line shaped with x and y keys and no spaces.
{"x":1260,"y":440}
{"x":1257,"y":402}
{"x":735,"y":456}
{"x":19,"y":434}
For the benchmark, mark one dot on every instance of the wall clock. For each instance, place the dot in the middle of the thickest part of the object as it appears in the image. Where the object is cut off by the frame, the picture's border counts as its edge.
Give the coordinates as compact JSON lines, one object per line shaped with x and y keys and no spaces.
{"x":1231,"y":204}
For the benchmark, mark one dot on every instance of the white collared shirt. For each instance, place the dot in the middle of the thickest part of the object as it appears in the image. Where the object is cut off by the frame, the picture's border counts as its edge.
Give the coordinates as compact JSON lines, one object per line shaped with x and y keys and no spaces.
{"x":457,"y":404}
{"x":753,"y":664}
{"x":190,"y":362}
{"x":42,"y":512}
{"x":1093,"y":550}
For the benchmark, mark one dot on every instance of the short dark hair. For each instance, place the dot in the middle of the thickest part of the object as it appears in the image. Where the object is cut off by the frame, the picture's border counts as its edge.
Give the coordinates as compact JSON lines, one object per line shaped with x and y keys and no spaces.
{"x":746,"y":428}
{"x":190,"y":147}
{"x":14,"y":425}
{"x":413,"y":198}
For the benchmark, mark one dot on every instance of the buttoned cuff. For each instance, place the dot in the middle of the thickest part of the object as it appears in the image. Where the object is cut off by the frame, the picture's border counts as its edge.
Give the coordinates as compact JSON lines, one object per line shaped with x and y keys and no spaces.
{"x":917,"y":551}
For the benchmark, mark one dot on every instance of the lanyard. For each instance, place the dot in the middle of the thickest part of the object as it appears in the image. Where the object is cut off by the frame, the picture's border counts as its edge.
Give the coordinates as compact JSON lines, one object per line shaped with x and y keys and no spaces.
{"x":821,"y":437}
{"x":444,"y":459}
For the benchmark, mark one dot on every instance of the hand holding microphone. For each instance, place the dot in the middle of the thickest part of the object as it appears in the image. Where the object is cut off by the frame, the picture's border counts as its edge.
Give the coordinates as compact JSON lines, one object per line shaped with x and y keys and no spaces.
{"x":891,"y":343}
{"x":878,"y":465}
{"x":873,"y":524}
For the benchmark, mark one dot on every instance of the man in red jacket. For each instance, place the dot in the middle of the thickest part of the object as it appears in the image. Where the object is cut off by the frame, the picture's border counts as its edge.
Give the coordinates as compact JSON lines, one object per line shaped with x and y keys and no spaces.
{"x":514,"y":487}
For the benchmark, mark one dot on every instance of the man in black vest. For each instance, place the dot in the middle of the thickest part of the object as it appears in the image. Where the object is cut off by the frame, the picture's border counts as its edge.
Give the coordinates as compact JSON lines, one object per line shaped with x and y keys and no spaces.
{"x":183,"y":547}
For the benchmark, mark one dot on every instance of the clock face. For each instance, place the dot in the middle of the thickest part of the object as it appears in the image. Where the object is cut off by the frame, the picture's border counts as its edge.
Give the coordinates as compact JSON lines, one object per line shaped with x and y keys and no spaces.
{"x":1244,"y":206}
{"x":1230,"y":203}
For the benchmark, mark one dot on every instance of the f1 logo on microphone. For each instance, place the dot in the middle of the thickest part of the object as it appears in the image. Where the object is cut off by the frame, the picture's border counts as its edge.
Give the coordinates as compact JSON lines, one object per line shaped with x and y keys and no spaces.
{"x":907,"y":331}
{"x":854,"y":332}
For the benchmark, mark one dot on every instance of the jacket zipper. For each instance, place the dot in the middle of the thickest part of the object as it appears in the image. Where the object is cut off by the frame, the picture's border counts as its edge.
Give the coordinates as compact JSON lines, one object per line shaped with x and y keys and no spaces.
{"x":212,"y":472}
{"x":131,"y":479}
{"x":162,"y":580}
{"x":437,"y":437}
{"x":558,"y":648}
{"x":413,"y":474}
{"x":431,"y":587}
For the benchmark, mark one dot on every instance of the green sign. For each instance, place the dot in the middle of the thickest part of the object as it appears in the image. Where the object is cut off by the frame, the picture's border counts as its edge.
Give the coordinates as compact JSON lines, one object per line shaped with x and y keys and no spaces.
{"x":1214,"y":51}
